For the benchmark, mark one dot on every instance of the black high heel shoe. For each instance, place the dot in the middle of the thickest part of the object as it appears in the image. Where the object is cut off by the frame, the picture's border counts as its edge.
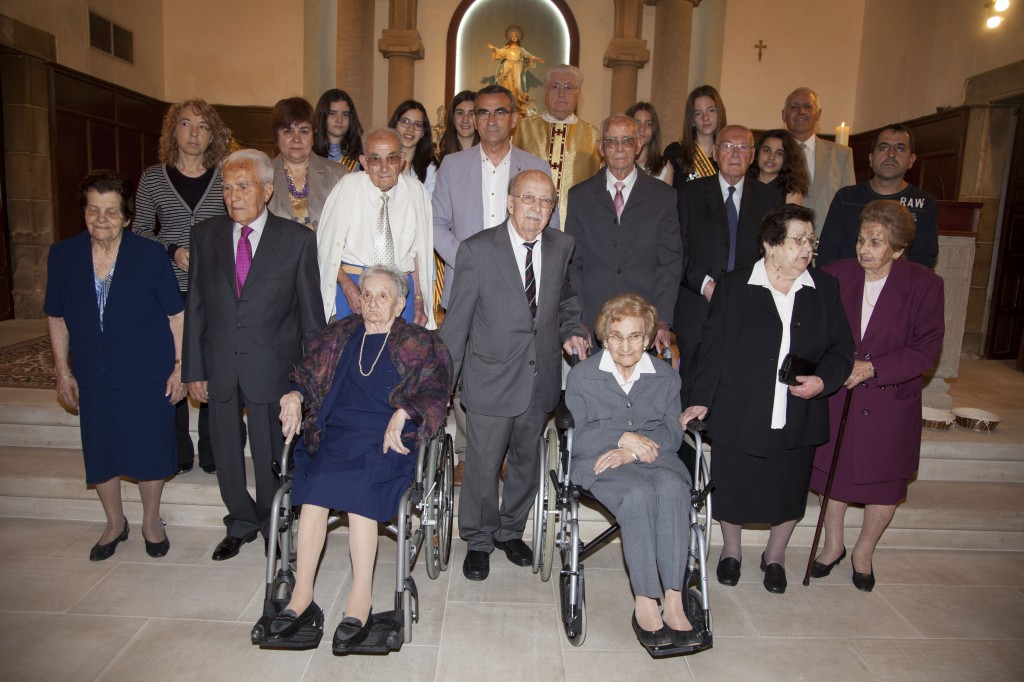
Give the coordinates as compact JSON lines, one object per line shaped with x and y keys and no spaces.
{"x":820,"y":570}
{"x":351,"y":632}
{"x":287,"y":623}
{"x":103,"y":552}
{"x":865,"y":582}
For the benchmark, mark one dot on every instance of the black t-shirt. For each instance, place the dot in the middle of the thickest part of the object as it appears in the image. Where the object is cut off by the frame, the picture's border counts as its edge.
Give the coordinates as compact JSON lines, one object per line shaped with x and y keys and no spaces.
{"x":191,"y":190}
{"x":842,"y":225}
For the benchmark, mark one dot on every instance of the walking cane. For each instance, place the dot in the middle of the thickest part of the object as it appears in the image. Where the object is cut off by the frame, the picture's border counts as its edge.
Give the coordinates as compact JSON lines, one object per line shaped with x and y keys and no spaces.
{"x":828,"y":487}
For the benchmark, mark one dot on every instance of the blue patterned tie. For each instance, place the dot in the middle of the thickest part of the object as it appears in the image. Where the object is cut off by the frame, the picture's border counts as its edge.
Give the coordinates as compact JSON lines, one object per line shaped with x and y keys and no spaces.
{"x":529,"y":280}
{"x":733,"y":217}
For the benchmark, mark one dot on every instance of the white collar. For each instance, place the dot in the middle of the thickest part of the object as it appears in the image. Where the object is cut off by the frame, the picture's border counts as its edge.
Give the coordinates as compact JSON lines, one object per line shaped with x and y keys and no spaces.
{"x":759,"y":276}
{"x":505,"y":159}
{"x":256,"y":225}
{"x":570,"y":119}
{"x":627,"y":182}
{"x":644,"y":366}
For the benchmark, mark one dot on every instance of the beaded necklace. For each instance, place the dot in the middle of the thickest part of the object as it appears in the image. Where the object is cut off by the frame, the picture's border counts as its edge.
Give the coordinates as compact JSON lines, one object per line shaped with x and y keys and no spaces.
{"x":298,"y":194}
{"x":379,"y":353}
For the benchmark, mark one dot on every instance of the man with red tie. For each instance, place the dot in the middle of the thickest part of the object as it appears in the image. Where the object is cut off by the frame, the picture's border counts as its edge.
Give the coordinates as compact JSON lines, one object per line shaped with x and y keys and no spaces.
{"x":254,"y":305}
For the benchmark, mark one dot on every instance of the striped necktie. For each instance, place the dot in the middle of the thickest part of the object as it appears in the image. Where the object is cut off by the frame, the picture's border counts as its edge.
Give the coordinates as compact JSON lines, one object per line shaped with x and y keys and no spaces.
{"x":529,"y":280}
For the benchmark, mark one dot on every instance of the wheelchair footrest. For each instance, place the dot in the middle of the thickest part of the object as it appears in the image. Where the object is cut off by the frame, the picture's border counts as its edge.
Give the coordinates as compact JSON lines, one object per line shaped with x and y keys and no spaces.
{"x":386,"y":635}
{"x":674,"y":650}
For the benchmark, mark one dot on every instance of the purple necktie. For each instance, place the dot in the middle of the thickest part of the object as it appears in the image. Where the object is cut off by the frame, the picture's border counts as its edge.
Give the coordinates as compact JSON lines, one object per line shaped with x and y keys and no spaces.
{"x":619,"y":201}
{"x":243,"y":259}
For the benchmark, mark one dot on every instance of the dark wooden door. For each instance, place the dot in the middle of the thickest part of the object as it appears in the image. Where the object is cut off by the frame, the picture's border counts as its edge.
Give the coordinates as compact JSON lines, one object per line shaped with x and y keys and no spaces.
{"x":1006,"y":319}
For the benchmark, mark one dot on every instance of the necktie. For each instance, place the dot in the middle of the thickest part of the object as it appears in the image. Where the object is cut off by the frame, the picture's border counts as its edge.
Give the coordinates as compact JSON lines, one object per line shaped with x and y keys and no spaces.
{"x":733,"y":216}
{"x":619,"y":201}
{"x":809,"y":160}
{"x":243,"y":259}
{"x":529,"y":280}
{"x":383,"y":245}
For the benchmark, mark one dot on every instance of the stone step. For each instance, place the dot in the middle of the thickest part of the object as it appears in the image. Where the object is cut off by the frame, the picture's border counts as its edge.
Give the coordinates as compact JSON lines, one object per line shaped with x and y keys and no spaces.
{"x":49,"y":483}
{"x":34,"y":418}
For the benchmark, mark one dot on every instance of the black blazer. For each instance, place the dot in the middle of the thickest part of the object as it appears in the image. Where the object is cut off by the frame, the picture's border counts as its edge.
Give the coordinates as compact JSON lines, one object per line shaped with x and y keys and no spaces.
{"x":641,"y":254}
{"x":705,"y":233}
{"x":252,"y":342}
{"x":737,"y":362}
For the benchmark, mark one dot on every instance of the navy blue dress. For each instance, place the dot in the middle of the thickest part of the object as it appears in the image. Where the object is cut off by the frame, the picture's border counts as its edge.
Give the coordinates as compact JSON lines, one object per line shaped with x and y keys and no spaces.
{"x":121,"y":367}
{"x":350,"y":473}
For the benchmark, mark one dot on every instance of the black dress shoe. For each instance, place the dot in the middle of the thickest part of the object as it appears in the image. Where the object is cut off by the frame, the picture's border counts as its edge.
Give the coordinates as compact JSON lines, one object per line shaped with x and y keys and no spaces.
{"x":864,"y":582}
{"x":684,"y":638}
{"x":477,"y":565}
{"x":820,"y":570}
{"x":656,"y":638}
{"x":351,"y":632}
{"x":210,"y":468}
{"x":287,"y":623}
{"x":774,"y":577}
{"x":157,"y":549}
{"x":230,"y":545}
{"x":102,"y":552}
{"x":184,"y":468}
{"x":517,"y":551}
{"x":728,"y":571}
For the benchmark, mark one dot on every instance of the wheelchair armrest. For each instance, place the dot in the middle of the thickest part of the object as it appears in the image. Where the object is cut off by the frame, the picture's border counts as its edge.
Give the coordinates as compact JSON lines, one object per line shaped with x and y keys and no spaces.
{"x":697,"y":426}
{"x":563,"y":417}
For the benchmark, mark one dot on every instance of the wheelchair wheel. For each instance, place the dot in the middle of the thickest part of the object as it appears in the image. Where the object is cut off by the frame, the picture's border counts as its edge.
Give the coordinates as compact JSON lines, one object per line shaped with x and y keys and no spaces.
{"x":446,"y":503}
{"x":431,"y":516}
{"x":694,"y":611}
{"x":550,"y":507}
{"x":574,"y":608}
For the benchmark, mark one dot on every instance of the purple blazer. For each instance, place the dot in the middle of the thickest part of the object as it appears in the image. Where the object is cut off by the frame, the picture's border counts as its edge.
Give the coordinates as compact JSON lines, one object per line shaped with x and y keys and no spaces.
{"x":903,"y":340}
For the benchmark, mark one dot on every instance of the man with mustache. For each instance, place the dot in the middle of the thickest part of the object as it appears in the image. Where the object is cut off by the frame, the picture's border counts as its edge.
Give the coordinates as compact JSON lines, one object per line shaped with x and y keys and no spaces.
{"x":892,"y":155}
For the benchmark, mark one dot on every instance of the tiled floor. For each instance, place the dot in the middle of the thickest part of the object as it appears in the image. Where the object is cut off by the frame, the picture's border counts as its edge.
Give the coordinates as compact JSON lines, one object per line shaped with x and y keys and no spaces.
{"x":932,"y":616}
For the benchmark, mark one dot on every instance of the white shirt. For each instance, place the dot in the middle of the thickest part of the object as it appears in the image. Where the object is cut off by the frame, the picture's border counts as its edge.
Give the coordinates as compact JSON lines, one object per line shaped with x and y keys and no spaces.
{"x":644,"y":366}
{"x":254,"y":236}
{"x":520,"y":252}
{"x":628,"y":183}
{"x":872,"y":290}
{"x":784,"y":306}
{"x":809,"y":146}
{"x":494,"y":187}
{"x":737,"y":196}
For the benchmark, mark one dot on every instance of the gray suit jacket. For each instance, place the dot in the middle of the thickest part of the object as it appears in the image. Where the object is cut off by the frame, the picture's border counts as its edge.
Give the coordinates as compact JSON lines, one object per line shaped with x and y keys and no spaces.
{"x":833,"y":170}
{"x":642,"y":253}
{"x":254,"y":341}
{"x":458,"y":202}
{"x":498,"y":348}
{"x":602,"y":412}
{"x":323,"y":176}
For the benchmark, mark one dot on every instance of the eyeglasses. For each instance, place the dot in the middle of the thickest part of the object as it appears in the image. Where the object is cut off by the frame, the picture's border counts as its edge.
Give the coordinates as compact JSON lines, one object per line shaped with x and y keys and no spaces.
{"x":805,"y":239}
{"x":530,"y":200}
{"x":375,"y":160}
{"x":567,"y":88}
{"x":407,"y":123}
{"x":617,"y":339}
{"x":729,"y":147}
{"x":885,"y":148}
{"x":618,"y":142}
{"x":496,"y":113}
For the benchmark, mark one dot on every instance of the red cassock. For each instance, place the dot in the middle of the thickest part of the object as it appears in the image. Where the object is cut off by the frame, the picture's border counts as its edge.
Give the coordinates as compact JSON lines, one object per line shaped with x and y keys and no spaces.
{"x":882,"y":442}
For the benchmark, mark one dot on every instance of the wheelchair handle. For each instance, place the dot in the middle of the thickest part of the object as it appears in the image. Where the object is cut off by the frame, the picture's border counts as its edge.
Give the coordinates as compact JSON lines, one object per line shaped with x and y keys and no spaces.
{"x":697,"y":426}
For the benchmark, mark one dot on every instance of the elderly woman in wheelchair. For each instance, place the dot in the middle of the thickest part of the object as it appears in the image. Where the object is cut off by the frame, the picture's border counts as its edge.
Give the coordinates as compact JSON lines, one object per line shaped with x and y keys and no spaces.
{"x":626,"y":407}
{"x":368,"y":388}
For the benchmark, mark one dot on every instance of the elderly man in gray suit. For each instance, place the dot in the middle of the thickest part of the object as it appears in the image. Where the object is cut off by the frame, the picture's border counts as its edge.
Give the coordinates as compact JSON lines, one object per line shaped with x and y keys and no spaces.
{"x":830,"y":165}
{"x":253,"y":306}
{"x":626,"y":229}
{"x":510,"y":311}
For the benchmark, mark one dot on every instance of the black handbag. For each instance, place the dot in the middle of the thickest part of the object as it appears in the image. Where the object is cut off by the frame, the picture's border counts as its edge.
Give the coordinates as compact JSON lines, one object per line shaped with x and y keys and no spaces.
{"x":794,"y":366}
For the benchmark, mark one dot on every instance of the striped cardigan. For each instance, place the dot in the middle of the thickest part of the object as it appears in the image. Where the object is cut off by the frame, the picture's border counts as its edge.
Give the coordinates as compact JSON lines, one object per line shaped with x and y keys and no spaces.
{"x":162,"y":215}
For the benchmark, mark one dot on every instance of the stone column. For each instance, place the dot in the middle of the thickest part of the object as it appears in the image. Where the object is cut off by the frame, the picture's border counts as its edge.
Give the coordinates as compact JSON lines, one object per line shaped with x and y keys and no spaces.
{"x":401,"y":45}
{"x":955,"y":266}
{"x":354,"y":54}
{"x":626,"y":53}
{"x":670,"y":65}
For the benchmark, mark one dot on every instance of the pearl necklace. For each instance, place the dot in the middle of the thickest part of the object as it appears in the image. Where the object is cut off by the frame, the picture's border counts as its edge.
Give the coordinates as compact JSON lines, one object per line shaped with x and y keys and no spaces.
{"x":379,"y":353}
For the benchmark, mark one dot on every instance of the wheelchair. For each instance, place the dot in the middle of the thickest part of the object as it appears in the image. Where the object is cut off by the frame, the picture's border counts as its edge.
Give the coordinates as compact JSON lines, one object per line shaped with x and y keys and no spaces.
{"x":556,"y":536}
{"x":430,"y":496}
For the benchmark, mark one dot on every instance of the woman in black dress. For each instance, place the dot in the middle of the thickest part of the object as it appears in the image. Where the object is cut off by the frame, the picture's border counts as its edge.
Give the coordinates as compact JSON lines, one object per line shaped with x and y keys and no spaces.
{"x":764,"y":432}
{"x":369,"y":387}
{"x":114,"y":308}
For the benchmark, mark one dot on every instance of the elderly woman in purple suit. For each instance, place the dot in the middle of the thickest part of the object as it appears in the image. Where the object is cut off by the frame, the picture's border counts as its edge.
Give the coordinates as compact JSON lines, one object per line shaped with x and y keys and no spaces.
{"x":895,"y":309}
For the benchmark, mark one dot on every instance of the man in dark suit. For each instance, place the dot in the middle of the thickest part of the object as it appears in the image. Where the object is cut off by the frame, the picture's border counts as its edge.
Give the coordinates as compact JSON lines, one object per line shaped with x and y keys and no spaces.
{"x":627,"y":232}
{"x":719,"y":218}
{"x":254,"y":304}
{"x":510,"y":310}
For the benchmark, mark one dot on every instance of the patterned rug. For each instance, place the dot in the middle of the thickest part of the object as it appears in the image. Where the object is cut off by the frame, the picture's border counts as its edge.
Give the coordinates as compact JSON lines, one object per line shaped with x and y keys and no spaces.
{"x":28,"y":364}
